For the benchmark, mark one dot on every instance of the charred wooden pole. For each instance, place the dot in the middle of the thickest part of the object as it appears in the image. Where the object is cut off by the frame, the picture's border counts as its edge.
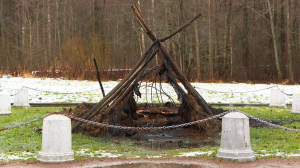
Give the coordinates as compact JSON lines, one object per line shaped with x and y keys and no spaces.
{"x":181,"y":77}
{"x":127,"y":80}
{"x":125,"y":93}
{"x":98,"y":77}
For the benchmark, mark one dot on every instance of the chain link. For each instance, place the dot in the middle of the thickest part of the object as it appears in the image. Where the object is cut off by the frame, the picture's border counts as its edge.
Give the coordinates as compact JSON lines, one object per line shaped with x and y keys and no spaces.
{"x":237,"y":92}
{"x":284,"y":92}
{"x":179,"y":125}
{"x":17,"y":92}
{"x":269,"y":124}
{"x":153,"y":128}
{"x":29,"y":122}
{"x":149,"y":128}
{"x":60,"y":92}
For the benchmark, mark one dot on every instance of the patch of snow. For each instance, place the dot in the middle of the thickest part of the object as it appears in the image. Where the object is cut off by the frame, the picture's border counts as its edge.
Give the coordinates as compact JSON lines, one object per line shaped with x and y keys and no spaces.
{"x":51,"y":90}
{"x":99,"y":154}
{"x":109,"y":155}
{"x":193,"y":154}
{"x":153,"y":157}
{"x":293,"y":155}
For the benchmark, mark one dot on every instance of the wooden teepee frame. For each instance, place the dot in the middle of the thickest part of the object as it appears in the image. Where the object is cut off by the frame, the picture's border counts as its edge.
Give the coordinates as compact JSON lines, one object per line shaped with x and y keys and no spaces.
{"x":130,"y":81}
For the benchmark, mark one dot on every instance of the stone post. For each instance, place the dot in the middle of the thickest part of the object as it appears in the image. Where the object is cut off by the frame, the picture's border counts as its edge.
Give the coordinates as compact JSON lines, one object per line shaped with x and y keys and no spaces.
{"x":57,"y":140}
{"x":5,"y":106}
{"x":235,"y":138}
{"x":277,"y":98}
{"x":296,"y":103}
{"x":21,"y":98}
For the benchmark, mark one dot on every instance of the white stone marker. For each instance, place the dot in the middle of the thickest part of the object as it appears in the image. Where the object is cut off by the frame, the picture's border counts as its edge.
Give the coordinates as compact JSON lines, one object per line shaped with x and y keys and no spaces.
{"x":296,"y":103}
{"x":235,"y":138}
{"x":57,"y":140}
{"x":277,"y":98}
{"x":21,"y":98}
{"x":5,"y":106}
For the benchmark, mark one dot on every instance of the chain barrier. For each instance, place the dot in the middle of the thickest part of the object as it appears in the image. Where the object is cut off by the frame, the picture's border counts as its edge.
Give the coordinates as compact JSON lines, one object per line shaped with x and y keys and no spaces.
{"x":284,"y":92}
{"x":149,"y":128}
{"x":237,"y":92}
{"x":29,"y":122}
{"x":60,"y":92}
{"x":270,"y":124}
{"x":180,"y":125}
{"x":18,"y":91}
{"x":144,"y":93}
{"x":154,"y":128}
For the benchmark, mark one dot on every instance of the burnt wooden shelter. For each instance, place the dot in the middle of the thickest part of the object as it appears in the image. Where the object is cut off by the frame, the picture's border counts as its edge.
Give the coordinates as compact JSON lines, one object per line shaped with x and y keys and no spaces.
{"x":120,"y":101}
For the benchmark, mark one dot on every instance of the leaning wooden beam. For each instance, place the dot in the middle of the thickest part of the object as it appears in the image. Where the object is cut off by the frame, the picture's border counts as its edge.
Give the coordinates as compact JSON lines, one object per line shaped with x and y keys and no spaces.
{"x":125,"y":93}
{"x":180,"y":28}
{"x":129,"y":81}
{"x":122,"y":85}
{"x":181,"y":77}
{"x":98,"y":77}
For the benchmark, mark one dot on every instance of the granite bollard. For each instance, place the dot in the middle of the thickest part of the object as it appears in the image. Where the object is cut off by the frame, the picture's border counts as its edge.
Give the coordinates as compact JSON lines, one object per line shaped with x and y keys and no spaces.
{"x":56,"y":140}
{"x":235,"y":138}
{"x":21,"y":98}
{"x":5,"y":106}
{"x":296,"y":103}
{"x":277,"y":98}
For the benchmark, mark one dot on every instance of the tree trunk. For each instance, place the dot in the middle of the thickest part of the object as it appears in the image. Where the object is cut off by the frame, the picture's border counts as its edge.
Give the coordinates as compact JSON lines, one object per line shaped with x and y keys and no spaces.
{"x":58,"y":30}
{"x":295,"y":35}
{"x":49,"y":31}
{"x":211,"y":44}
{"x":289,"y":41}
{"x":271,"y":13}
{"x":245,"y":41}
{"x":2,"y":33}
{"x":197,"y":46}
{"x":153,"y":27}
{"x":280,"y":35}
{"x":37,"y":27}
{"x":231,"y":52}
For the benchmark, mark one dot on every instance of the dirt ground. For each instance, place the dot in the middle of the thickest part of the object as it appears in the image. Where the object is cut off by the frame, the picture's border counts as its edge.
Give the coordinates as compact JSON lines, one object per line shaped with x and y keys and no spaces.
{"x":189,"y":162}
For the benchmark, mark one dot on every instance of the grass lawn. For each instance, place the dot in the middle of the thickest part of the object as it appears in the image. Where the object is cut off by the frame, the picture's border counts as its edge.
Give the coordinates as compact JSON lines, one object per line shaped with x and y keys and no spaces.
{"x":24,"y":143}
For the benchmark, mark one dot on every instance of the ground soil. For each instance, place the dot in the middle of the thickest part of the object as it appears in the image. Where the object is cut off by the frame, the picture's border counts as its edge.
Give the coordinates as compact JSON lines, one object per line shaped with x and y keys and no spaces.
{"x":192,"y":162}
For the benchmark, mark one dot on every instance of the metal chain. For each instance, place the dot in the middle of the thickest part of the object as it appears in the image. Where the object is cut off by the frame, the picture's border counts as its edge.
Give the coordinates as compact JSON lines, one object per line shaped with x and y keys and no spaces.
{"x":149,"y":128}
{"x":153,"y":128}
{"x":180,"y":125}
{"x":26,"y":123}
{"x":237,"y":92}
{"x":60,"y":92}
{"x":18,"y":91}
{"x":268,"y":123}
{"x":284,"y":92}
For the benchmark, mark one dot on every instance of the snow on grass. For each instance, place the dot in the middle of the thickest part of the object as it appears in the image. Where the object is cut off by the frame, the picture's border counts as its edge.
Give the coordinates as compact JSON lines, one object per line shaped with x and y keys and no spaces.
{"x":21,"y":156}
{"x":51,"y":90}
{"x":194,"y":154}
{"x":98,"y":154}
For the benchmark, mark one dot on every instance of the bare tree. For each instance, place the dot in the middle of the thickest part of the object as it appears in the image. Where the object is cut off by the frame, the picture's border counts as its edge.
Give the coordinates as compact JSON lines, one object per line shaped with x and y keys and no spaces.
{"x":271,"y":13}
{"x":211,"y":44}
{"x":197,"y":45}
{"x":245,"y":40}
{"x":289,"y":41}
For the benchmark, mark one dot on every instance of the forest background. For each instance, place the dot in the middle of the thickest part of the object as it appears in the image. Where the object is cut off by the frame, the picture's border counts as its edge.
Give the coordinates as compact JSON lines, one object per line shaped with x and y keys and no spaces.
{"x":233,"y":40}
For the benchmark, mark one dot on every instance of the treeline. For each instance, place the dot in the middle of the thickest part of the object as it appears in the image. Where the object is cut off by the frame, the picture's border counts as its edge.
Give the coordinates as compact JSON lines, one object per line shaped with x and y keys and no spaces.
{"x":233,"y":40}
